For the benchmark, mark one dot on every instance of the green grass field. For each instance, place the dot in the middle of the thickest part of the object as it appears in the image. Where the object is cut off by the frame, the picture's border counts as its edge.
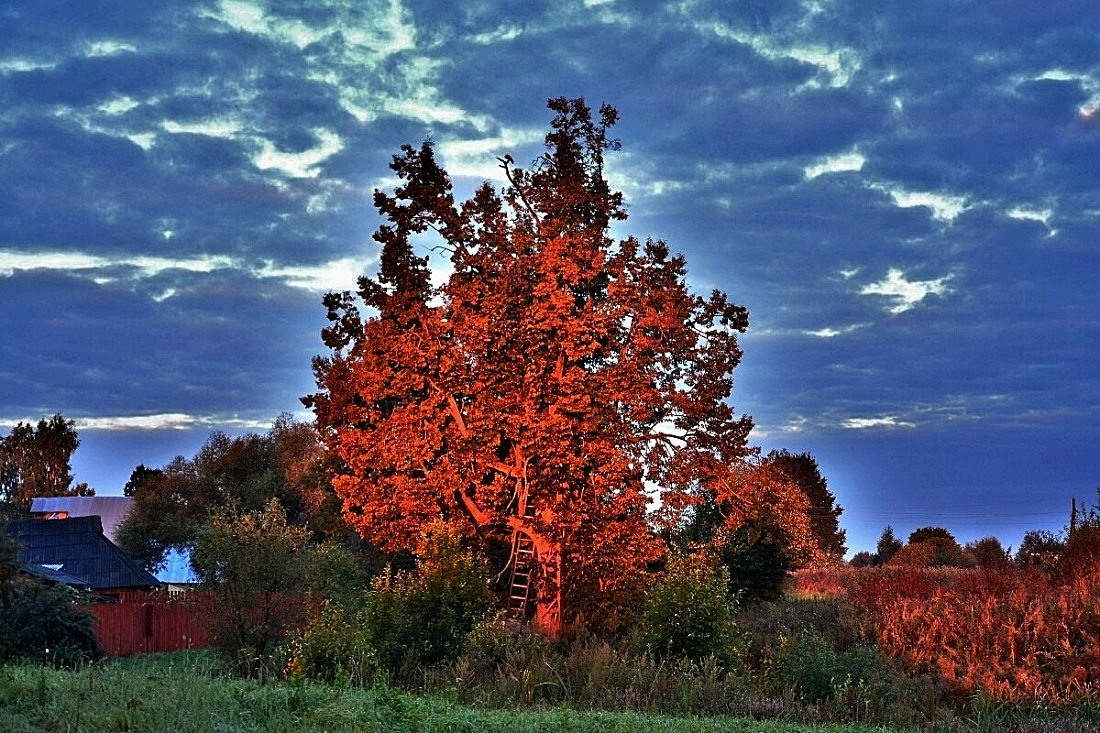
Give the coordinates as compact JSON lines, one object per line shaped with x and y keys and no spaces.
{"x":186,"y":693}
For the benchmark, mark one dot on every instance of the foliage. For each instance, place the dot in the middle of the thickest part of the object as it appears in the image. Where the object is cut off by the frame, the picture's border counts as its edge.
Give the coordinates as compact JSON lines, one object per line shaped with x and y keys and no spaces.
{"x":988,"y":552}
{"x":888,"y":546}
{"x":551,"y":380}
{"x":172,"y":503}
{"x":824,"y":513}
{"x":932,"y":548}
{"x":924,"y":534}
{"x":757,"y":558}
{"x":253,"y":569}
{"x":1012,"y":635}
{"x":34,"y":462}
{"x":1080,"y":560}
{"x":1040,"y":548}
{"x":334,"y":648}
{"x":47,"y":624}
{"x":423,"y":617}
{"x":687,"y":614}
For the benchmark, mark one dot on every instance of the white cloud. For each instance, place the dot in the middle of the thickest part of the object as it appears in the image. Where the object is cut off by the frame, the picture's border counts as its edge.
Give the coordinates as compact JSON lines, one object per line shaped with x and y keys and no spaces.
{"x":835,"y":66}
{"x":219,"y":127}
{"x":1024,"y":213}
{"x":169,"y":421}
{"x":843,"y":163}
{"x":110,"y":48}
{"x":885,"y":421}
{"x":903,"y":293}
{"x":299,"y":165}
{"x":12,"y":261}
{"x":828,"y":333}
{"x":119,"y":105}
{"x":944,"y":207}
{"x":337,"y":275}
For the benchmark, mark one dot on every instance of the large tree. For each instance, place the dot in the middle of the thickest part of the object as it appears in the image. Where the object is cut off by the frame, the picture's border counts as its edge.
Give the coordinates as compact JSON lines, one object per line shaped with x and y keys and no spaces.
{"x":34,"y":462}
{"x":548,"y":391}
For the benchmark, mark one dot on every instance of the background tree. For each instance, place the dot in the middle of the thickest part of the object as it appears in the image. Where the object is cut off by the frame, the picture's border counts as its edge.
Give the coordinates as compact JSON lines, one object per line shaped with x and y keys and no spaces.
{"x":989,"y":553}
{"x":34,"y":462}
{"x":888,"y":546}
{"x":287,"y":463}
{"x":554,"y":377}
{"x":1040,"y":547}
{"x":927,"y":533}
{"x":253,"y":566}
{"x":824,"y":512}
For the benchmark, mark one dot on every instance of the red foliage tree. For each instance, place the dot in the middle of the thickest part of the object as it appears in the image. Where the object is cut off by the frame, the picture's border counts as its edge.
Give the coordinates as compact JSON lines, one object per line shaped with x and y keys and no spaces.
{"x":548,"y":390}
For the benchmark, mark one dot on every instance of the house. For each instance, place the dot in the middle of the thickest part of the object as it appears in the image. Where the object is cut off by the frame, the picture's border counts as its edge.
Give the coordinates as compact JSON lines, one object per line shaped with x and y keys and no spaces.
{"x":77,"y":548}
{"x":112,"y":510}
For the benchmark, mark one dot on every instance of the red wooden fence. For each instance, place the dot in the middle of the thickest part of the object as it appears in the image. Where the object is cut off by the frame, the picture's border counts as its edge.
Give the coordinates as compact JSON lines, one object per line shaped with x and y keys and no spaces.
{"x":154,"y":624}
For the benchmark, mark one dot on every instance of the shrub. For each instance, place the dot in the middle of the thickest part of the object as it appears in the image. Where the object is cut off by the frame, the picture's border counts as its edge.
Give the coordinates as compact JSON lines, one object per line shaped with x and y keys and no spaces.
{"x":47,"y":623}
{"x":757,"y":560}
{"x":253,"y":569}
{"x":425,"y":616}
{"x":688,"y":612}
{"x":335,"y":648}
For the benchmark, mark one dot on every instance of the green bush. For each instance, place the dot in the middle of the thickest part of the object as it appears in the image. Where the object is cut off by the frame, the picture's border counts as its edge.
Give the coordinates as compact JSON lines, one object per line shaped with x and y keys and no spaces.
{"x":423,"y":617}
{"x":335,"y":648}
{"x":47,"y":624}
{"x":687,"y":614}
{"x":757,"y":558}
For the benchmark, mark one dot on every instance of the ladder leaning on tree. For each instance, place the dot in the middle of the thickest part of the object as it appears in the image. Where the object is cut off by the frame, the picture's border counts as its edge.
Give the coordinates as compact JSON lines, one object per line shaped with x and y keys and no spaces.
{"x":522,"y":562}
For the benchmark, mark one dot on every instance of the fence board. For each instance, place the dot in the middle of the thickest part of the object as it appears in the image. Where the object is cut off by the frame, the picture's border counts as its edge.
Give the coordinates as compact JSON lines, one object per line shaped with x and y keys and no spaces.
{"x":152,"y":625}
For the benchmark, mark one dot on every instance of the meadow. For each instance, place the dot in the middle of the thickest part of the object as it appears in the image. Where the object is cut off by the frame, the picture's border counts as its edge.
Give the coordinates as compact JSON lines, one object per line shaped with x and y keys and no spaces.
{"x":891,"y":648}
{"x":185,"y":692}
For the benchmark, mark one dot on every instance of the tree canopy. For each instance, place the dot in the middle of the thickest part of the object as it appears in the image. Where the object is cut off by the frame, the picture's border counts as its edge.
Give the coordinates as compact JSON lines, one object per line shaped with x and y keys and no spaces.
{"x":553,"y":387}
{"x":34,"y":462}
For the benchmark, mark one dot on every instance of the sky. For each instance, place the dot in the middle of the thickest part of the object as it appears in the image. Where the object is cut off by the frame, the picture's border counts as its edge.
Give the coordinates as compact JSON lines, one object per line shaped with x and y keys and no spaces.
{"x":906,"y":197}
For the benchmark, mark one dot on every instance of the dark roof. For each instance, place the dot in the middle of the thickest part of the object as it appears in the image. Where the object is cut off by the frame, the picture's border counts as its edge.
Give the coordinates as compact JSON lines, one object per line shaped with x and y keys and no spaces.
{"x":110,"y":509}
{"x":76,"y":546}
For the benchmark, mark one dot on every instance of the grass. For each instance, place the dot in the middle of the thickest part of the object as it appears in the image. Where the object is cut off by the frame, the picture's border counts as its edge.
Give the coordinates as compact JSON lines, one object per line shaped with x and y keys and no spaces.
{"x":186,"y":692}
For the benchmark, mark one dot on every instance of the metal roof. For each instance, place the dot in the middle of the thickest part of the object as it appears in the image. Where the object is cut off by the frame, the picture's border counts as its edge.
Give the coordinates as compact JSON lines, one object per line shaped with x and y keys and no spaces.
{"x":110,"y":509}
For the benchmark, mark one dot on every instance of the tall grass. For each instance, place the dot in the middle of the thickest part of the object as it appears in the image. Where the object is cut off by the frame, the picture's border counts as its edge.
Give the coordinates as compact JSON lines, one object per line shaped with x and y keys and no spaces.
{"x":185,"y":692}
{"x":1011,"y":635}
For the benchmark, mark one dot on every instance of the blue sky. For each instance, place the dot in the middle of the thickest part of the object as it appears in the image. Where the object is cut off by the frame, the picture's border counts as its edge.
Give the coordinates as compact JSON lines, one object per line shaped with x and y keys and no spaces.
{"x":906,"y":196}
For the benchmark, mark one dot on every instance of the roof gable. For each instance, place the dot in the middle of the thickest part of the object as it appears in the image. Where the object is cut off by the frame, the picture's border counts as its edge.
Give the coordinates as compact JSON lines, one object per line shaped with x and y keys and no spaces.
{"x":77,"y":544}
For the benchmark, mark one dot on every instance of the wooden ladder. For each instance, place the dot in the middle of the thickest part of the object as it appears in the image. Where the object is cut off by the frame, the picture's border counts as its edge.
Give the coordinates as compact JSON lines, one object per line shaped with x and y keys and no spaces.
{"x":523,"y":564}
{"x":522,"y":561}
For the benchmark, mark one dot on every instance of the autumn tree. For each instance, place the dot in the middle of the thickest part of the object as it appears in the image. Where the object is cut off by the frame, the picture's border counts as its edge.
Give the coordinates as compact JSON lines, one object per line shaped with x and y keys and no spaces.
{"x":554,"y":385}
{"x":824,"y":513}
{"x":34,"y":462}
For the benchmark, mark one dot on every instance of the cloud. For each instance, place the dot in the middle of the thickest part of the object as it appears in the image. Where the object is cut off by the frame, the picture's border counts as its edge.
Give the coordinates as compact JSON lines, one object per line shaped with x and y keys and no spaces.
{"x":304,"y":164}
{"x":842,"y":163}
{"x":906,"y":294}
{"x":170,"y":421}
{"x":944,"y":207}
{"x":884,"y":421}
{"x":828,"y":333}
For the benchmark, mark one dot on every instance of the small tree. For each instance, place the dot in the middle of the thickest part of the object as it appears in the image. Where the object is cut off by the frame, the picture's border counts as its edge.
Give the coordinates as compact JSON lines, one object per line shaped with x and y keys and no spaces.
{"x":988,"y":553}
{"x":253,"y":568}
{"x":1040,"y":547}
{"x":687,"y":614}
{"x":888,"y":546}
